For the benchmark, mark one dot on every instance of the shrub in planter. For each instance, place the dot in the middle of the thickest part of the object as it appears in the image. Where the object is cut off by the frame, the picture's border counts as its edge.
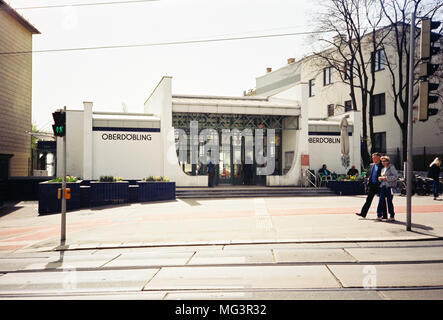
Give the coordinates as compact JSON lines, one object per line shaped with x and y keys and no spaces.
{"x":156,"y":189}
{"x":47,"y":195}
{"x":109,"y":190}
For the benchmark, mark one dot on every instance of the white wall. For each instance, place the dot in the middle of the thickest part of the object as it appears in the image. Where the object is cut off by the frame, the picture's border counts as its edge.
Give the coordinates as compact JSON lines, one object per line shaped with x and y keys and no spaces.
{"x":130,"y":159}
{"x":160,"y":104}
{"x":288,"y":140}
{"x":296,"y":140}
{"x":328,"y":153}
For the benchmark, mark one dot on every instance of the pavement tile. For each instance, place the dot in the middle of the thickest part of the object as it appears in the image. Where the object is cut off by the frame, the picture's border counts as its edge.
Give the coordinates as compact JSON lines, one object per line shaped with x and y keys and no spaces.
{"x":11,"y":248}
{"x":69,"y":260}
{"x":313,"y":246}
{"x":397,"y":254}
{"x":275,"y":295}
{"x":309,"y":255}
{"x":11,"y":264}
{"x":379,"y":244}
{"x":91,"y":296}
{"x":72,"y":281}
{"x":395,"y":275}
{"x":242,"y":278}
{"x":435,"y":294}
{"x":109,"y":245}
{"x":150,"y":259}
{"x":232,"y":257}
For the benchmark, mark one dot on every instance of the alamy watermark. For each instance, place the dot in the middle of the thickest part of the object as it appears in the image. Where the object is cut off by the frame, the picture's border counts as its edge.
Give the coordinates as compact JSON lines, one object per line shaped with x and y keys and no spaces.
{"x":254,"y":146}
{"x":370,"y":280}
{"x":69,"y":278}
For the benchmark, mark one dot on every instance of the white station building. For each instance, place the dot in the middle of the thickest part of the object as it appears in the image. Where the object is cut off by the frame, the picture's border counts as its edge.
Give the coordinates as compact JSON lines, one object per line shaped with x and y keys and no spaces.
{"x":138,"y":145}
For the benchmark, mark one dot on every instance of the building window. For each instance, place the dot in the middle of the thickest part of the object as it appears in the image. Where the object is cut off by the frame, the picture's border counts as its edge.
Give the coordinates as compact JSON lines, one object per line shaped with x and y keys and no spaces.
{"x":378,"y":104}
{"x":378,"y":60}
{"x":311,"y":87}
{"x":348,"y":70}
{"x":348,"y":105}
{"x":330,"y":110}
{"x":327,"y":76}
{"x":380,"y":142}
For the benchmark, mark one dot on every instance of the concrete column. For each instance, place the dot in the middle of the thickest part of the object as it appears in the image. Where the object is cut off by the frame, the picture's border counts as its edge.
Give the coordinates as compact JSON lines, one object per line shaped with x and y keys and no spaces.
{"x":356,"y":137}
{"x":300,"y":143}
{"x":304,"y":133}
{"x":87,"y":141}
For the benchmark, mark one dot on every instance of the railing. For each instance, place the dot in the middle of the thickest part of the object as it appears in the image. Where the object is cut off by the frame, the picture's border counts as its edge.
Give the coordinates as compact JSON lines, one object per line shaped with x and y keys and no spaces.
{"x":308,"y":176}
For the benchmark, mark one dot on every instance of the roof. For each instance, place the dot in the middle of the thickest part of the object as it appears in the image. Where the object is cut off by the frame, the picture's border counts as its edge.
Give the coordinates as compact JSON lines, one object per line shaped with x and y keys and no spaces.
{"x":125,"y":117}
{"x":25,"y":23}
{"x":234,"y":105}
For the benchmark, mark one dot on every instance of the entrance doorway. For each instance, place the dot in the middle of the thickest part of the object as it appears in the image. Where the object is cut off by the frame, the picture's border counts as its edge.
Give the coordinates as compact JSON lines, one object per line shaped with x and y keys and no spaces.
{"x":237,"y":164}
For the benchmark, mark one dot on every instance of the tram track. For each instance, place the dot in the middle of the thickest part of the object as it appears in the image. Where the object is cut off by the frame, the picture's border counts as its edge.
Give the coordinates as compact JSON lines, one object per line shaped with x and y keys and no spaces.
{"x":162,"y":294}
{"x":230,"y":265}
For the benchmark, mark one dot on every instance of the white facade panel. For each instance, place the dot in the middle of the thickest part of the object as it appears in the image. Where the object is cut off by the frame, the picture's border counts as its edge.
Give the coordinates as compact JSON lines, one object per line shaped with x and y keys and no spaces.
{"x":129,"y":158}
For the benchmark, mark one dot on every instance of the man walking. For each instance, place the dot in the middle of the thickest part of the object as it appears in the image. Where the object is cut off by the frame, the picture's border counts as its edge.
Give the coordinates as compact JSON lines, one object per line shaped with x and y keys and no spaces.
{"x":373,"y":183}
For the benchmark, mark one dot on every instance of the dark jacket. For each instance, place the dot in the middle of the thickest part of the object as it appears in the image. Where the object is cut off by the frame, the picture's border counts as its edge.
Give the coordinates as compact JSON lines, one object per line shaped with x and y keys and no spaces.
{"x":211,"y":168}
{"x":352,"y":172}
{"x":369,"y":175}
{"x":322,"y":171}
{"x":434,"y":172}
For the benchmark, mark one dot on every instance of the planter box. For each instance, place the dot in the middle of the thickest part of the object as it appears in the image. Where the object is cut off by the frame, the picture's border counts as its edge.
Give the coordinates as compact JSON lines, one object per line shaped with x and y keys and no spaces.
{"x":47,"y":197}
{"x":133,"y":193}
{"x":85,"y":196}
{"x":105,"y":193}
{"x":347,"y":188}
{"x":155,"y":191}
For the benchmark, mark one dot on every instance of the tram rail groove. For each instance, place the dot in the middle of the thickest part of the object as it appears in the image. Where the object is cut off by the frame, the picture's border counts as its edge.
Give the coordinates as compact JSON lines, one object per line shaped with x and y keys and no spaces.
{"x":211,"y":290}
{"x":233,"y":265}
{"x":239,"y":243}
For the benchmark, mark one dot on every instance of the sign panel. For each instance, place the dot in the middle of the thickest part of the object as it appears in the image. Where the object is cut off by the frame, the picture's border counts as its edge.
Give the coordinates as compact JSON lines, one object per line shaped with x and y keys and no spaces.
{"x":133,"y":153}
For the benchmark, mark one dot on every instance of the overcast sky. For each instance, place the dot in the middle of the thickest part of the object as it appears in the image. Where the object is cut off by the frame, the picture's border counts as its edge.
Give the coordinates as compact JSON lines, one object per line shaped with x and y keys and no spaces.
{"x":110,"y":77}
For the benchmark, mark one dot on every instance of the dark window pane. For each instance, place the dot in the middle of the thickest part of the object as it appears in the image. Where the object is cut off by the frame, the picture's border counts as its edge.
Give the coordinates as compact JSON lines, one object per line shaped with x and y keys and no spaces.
{"x":378,"y":104}
{"x":311,"y":87}
{"x":378,"y":60}
{"x":348,"y":105}
{"x":327,"y":76}
{"x":380,"y":142}
{"x":330,"y":110}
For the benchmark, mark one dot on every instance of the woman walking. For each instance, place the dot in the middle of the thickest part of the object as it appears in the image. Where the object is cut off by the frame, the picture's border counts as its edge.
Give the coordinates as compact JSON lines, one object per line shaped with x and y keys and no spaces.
{"x":434,"y":173}
{"x":388,"y":179}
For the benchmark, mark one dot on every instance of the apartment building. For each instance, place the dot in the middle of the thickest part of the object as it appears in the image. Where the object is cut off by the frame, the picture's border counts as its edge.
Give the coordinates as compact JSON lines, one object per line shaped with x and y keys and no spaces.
{"x":329,"y":95}
{"x":15,"y":92}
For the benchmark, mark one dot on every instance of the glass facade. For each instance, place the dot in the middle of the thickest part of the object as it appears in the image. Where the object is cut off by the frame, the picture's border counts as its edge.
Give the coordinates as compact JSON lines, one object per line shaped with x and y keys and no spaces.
{"x":237,"y":161}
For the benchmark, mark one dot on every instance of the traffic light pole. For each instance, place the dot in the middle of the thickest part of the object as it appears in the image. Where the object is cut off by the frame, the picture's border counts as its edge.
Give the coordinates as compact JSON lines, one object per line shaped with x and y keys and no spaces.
{"x":63,"y":214}
{"x":411,"y":97}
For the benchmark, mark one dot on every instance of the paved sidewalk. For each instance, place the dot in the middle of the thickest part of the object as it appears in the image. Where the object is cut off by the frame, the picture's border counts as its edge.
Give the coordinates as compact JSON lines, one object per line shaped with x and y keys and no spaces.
{"x":216,"y":221}
{"x":351,"y":270}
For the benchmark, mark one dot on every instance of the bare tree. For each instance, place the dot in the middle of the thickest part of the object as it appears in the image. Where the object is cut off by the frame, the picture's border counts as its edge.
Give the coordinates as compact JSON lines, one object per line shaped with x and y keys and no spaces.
{"x":354,"y":24}
{"x":398,"y":13}
{"x":357,"y":29}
